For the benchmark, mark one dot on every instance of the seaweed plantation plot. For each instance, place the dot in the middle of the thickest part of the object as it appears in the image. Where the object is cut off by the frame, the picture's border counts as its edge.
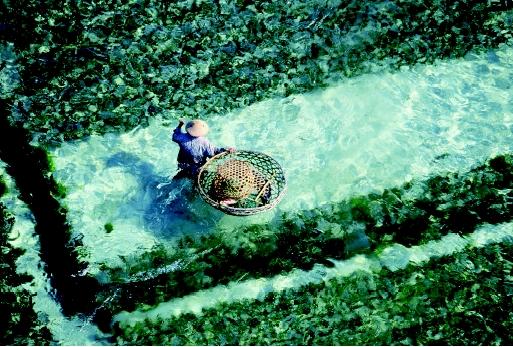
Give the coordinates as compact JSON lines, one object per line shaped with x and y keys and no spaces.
{"x":332,"y":144}
{"x":461,"y":298}
{"x":103,"y":66}
{"x":394,"y":257}
{"x":150,"y":253}
{"x":391,"y":123}
{"x":32,"y":316}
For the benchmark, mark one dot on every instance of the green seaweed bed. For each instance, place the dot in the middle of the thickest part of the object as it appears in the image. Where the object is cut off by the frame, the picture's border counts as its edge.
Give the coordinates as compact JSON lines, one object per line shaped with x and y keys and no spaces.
{"x":73,"y":68}
{"x":463,"y":299}
{"x":93,"y":67}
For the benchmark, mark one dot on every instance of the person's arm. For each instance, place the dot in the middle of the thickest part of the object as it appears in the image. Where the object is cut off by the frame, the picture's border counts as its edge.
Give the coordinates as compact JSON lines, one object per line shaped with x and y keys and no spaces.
{"x":178,"y":130}
{"x":212,"y":150}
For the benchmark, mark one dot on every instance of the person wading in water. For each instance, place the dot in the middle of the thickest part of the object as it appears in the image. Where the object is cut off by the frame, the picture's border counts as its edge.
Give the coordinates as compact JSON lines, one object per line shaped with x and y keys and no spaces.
{"x":195,"y":149}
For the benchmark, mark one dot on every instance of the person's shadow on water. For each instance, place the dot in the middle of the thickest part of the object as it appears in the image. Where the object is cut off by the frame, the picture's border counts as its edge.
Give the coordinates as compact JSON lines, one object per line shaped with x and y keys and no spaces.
{"x":169,"y":207}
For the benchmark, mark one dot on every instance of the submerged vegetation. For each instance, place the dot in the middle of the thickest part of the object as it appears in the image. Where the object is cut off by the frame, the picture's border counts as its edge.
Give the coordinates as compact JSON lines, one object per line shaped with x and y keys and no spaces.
{"x":72,"y":68}
{"x":99,"y":66}
{"x":462,"y":299}
{"x":415,"y":213}
{"x":20,"y":324}
{"x":108,"y":227}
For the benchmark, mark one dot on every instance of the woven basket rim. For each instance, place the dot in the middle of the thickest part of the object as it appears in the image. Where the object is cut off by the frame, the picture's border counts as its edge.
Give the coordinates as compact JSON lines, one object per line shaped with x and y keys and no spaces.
{"x":237,"y":211}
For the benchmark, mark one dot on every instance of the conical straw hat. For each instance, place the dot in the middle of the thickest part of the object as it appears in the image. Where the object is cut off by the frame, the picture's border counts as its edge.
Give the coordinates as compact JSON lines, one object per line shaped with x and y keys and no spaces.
{"x":197,"y":128}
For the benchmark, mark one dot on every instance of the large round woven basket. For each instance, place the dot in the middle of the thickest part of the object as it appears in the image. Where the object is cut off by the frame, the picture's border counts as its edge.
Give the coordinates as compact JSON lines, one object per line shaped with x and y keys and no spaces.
{"x":241,"y":183}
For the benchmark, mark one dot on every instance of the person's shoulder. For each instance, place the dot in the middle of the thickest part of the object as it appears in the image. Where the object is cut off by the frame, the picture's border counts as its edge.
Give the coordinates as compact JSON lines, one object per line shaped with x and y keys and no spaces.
{"x":182,"y":136}
{"x":202,"y":139}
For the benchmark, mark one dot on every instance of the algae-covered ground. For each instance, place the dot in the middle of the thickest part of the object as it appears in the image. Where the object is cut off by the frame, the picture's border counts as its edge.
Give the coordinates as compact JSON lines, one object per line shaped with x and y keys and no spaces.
{"x":421,"y":255}
{"x":89,"y":67}
{"x":463,"y":299}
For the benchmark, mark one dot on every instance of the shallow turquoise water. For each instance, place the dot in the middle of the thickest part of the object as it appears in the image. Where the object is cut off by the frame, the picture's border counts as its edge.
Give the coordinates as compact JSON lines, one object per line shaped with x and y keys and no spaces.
{"x":357,"y":136}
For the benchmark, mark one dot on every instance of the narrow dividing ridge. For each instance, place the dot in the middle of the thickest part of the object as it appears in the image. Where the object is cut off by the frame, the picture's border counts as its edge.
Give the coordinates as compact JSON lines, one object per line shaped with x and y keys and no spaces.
{"x":31,"y":169}
{"x":394,"y":258}
{"x":64,"y":330}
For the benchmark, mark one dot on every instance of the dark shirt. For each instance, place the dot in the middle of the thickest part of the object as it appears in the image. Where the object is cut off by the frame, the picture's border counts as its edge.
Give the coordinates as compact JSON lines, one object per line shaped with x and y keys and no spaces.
{"x":194,"y":151}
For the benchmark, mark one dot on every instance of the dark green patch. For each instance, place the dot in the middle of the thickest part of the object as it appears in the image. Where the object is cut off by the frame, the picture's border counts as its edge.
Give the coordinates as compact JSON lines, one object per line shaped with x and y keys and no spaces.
{"x":99,"y":67}
{"x":108,"y":227}
{"x":29,"y":167}
{"x":3,"y":186}
{"x":20,"y":324}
